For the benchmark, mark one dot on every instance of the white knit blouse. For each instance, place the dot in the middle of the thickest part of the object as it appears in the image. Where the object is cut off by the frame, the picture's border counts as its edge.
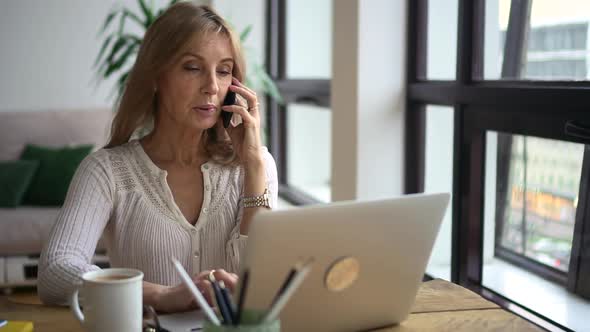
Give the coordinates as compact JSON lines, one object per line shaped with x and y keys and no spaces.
{"x":121,"y":194}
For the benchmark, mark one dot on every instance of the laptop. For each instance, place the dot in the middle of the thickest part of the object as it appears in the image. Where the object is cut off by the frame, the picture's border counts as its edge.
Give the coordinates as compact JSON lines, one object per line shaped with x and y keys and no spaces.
{"x":368,"y":259}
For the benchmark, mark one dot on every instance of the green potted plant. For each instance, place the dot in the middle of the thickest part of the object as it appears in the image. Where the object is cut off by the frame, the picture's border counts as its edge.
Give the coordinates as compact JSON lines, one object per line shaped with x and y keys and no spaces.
{"x":119,"y":49}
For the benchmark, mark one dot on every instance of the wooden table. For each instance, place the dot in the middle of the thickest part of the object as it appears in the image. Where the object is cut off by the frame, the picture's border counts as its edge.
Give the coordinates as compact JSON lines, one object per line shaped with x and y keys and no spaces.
{"x":444,"y":306}
{"x":440,"y":306}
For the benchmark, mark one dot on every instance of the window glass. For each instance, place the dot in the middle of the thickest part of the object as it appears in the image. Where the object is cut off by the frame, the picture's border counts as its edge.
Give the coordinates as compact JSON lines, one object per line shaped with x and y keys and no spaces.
{"x":439,"y":178}
{"x":556,"y":40}
{"x":309,"y":150}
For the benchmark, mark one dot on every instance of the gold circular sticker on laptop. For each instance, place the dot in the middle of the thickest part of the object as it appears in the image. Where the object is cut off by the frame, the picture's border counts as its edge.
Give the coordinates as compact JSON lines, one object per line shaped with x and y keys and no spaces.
{"x":342,"y":274}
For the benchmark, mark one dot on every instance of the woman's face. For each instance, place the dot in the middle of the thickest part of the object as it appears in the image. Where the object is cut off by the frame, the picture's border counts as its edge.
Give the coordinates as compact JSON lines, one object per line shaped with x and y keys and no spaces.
{"x":191,"y":91}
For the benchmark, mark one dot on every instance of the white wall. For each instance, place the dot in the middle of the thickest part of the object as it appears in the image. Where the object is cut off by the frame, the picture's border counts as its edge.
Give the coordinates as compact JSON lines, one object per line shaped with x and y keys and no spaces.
{"x":382,"y":95}
{"x":48,"y":49}
{"x":368,"y":98}
{"x":344,"y":96}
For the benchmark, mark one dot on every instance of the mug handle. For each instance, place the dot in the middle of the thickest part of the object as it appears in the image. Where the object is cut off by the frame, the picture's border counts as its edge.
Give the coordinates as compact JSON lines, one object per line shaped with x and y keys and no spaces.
{"x":74,"y":305}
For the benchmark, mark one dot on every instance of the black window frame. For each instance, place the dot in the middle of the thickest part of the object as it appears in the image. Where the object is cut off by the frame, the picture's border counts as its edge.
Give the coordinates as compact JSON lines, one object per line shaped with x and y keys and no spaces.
{"x":501,"y":105}
{"x":308,"y":91}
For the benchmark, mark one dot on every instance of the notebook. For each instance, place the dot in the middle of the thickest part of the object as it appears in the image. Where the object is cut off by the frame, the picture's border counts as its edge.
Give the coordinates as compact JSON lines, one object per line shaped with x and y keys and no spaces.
{"x":15,"y":326}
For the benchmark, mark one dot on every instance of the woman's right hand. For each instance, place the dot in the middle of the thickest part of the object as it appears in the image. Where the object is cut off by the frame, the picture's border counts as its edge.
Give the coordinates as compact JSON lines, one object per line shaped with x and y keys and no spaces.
{"x":179,"y":298}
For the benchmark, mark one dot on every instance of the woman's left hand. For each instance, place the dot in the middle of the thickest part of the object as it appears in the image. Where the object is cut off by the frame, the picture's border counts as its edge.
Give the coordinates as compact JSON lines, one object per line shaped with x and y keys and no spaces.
{"x":246,"y":135}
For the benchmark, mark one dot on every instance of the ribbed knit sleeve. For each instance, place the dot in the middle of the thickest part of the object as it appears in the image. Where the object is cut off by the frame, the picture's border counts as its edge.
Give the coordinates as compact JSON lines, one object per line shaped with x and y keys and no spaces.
{"x":67,"y":253}
{"x":236,"y":245}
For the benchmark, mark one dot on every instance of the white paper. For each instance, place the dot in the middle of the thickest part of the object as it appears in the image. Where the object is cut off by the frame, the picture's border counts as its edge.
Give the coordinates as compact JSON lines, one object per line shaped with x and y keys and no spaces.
{"x":183,"y":322}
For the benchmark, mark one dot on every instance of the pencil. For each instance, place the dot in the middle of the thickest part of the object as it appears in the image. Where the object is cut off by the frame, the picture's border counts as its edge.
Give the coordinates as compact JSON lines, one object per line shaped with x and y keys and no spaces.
{"x":242,"y":297}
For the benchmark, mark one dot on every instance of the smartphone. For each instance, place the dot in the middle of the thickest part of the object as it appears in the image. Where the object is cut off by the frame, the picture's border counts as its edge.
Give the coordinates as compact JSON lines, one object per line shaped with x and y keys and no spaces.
{"x":230,"y":99}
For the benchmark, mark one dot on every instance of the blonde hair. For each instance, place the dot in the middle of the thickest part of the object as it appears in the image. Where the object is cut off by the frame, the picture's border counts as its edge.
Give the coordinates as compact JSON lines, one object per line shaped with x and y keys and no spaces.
{"x":160,"y":49}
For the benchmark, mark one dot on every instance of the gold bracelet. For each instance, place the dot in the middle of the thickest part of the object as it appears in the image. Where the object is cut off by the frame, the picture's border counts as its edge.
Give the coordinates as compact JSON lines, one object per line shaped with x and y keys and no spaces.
{"x":257,"y":201}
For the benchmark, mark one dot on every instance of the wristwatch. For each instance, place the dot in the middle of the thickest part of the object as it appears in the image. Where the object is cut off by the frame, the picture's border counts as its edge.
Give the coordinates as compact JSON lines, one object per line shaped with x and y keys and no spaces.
{"x":257,"y":201}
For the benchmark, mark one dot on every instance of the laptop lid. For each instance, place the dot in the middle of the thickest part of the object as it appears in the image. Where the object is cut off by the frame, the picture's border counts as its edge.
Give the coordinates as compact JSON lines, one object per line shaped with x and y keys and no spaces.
{"x":376,"y":251}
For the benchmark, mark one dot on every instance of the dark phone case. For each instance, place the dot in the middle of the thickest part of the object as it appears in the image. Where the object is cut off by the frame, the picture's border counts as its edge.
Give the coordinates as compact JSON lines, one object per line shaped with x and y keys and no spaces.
{"x":230,"y":99}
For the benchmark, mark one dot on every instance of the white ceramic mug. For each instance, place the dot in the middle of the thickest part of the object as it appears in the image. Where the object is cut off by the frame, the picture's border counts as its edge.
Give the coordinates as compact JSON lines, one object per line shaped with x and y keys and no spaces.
{"x":112,"y":300}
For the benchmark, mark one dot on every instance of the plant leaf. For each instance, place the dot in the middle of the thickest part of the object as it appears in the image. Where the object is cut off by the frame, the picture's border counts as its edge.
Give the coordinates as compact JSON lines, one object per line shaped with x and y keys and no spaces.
{"x":121,"y":23}
{"x":108,"y":21}
{"x":269,"y":86}
{"x":124,"y":40}
{"x":110,"y":70}
{"x":131,"y":37}
{"x":101,"y":69}
{"x":117,"y":46}
{"x":114,"y":66}
{"x":133,"y":16}
{"x":123,"y":79}
{"x":249,"y":83}
{"x":149,"y":16}
{"x":172,"y":2}
{"x":245,"y":33}
{"x":103,"y":48}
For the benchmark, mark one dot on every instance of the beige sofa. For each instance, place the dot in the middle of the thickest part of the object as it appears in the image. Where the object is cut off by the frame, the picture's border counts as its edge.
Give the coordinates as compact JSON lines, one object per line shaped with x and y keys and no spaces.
{"x":24,"y":229}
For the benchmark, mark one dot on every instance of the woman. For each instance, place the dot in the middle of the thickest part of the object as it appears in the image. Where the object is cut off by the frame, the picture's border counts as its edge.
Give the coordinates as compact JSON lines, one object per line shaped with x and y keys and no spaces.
{"x":188,"y":189}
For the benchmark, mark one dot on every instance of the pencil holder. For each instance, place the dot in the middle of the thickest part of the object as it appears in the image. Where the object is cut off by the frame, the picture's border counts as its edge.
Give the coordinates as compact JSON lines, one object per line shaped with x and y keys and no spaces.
{"x":250,"y":323}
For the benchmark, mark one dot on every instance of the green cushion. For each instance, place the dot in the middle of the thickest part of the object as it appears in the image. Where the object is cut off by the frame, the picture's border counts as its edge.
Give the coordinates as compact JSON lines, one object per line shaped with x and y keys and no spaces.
{"x":56,"y":169}
{"x":15,"y":178}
